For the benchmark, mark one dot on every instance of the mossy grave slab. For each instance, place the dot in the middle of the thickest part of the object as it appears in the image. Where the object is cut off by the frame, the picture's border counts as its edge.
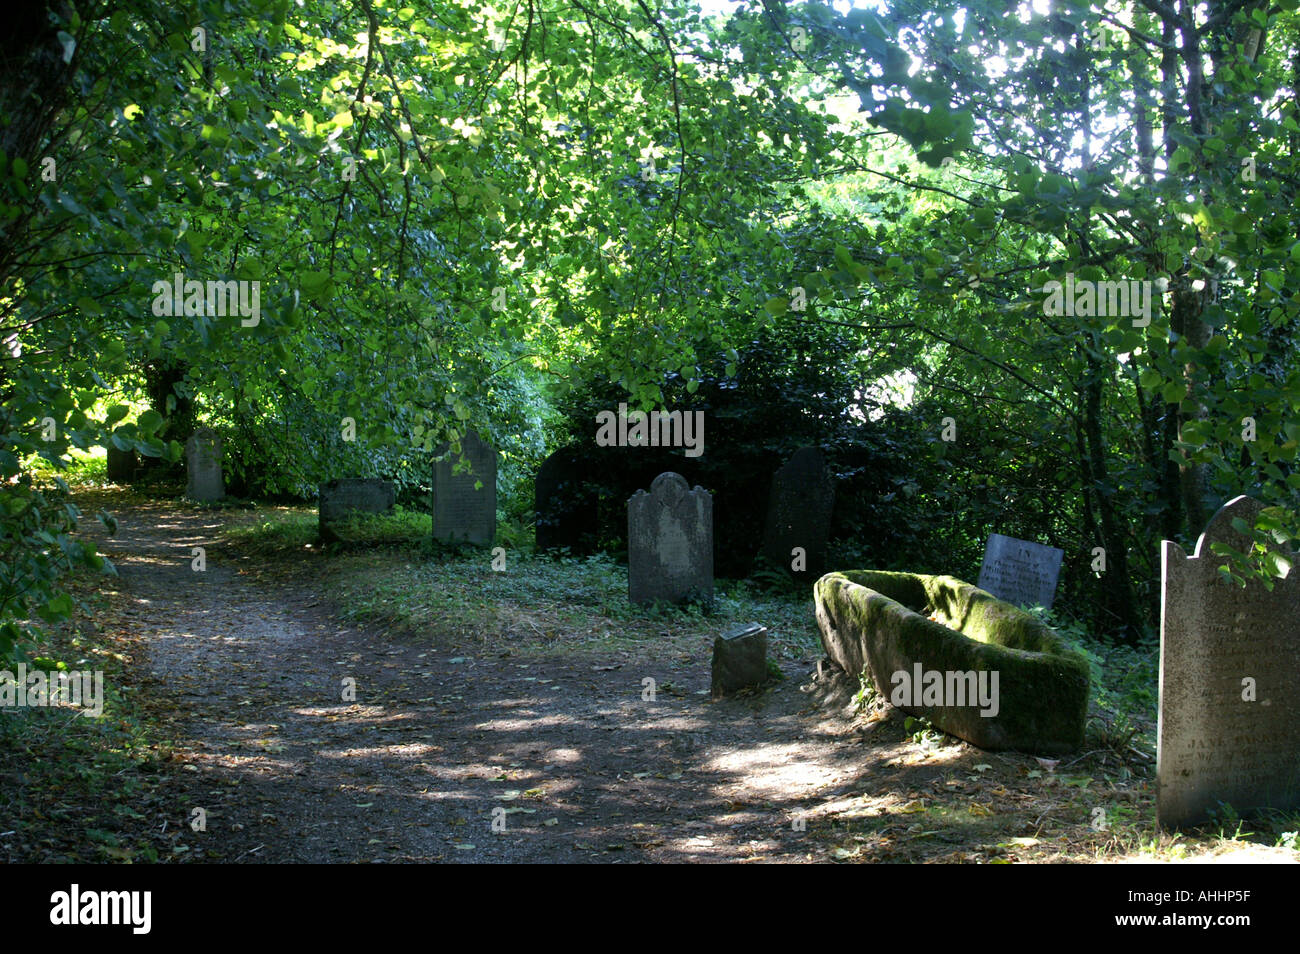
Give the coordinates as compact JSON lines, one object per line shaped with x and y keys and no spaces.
{"x":975,"y":666}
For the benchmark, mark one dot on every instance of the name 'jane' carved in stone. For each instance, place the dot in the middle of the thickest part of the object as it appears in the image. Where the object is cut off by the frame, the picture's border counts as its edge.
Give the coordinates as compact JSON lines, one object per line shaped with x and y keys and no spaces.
{"x":1229,"y":731}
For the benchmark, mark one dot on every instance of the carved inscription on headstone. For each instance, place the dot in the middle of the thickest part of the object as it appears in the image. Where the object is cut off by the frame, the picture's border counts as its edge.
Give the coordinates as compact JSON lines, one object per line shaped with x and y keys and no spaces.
{"x":1229,"y":729}
{"x":1020,"y":571}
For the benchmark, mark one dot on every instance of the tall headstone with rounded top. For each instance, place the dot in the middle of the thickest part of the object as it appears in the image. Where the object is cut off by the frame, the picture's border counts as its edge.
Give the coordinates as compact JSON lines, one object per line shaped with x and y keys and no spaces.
{"x":565,"y":503}
{"x":203,"y":466}
{"x":1229,"y":731}
{"x":465,"y":503}
{"x":670,"y":543}
{"x":799,"y":514}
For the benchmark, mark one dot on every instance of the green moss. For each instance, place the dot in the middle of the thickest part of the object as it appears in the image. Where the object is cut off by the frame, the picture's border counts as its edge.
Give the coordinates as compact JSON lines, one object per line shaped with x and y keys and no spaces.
{"x":888,"y":622}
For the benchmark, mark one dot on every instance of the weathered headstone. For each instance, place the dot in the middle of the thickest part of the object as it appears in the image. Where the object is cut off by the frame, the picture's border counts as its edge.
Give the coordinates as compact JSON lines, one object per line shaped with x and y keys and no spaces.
{"x":203,"y":466}
{"x":1229,"y":728}
{"x":739,"y":659}
{"x":799,"y":514}
{"x":463,"y":511}
{"x":1019,"y":571}
{"x":670,"y":543}
{"x":121,"y":465}
{"x":565,"y":503}
{"x":349,"y":495}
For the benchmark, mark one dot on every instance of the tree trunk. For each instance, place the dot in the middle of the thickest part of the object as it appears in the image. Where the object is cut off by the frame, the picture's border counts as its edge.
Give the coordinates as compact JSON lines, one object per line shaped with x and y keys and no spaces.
{"x":1119,"y":589}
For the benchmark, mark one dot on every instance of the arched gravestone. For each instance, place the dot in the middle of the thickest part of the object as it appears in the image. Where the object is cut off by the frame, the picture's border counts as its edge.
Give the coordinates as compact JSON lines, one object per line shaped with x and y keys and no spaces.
{"x":565,"y":503}
{"x":203,"y":466}
{"x":1229,"y":682}
{"x":670,"y":543}
{"x":462,"y":512}
{"x":799,"y":514}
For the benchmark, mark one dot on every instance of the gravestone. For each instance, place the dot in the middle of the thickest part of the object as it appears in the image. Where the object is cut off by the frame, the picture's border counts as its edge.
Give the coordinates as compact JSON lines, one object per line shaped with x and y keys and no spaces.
{"x":1229,"y":728}
{"x":670,"y":543}
{"x":121,"y":465}
{"x":462,"y":511}
{"x":203,"y":466}
{"x":739,"y":659}
{"x":565,"y":503}
{"x":349,"y":495}
{"x":799,"y":514}
{"x":1019,"y":571}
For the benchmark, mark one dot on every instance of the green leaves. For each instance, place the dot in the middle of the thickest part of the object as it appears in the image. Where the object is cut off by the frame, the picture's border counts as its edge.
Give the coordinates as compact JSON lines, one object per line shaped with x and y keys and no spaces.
{"x":379,"y":222}
{"x":149,"y":422}
{"x":776,"y":306}
{"x":317,"y":286}
{"x":56,"y":608}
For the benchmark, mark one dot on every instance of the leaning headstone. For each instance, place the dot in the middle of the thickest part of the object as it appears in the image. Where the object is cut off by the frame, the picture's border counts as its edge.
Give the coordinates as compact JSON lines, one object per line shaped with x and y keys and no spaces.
{"x":799,"y":514}
{"x":203,"y":466}
{"x":465,"y":503}
{"x":121,"y":465}
{"x":565,"y":503}
{"x":739,"y":659}
{"x":670,"y":543}
{"x":1019,"y":571}
{"x":351,"y":495}
{"x":1229,"y":730}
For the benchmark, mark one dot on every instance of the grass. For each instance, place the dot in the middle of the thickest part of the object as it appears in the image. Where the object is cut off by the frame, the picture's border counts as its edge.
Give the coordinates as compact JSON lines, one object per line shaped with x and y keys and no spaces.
{"x":1103,"y":799}
{"x":1124,"y":704}
{"x":390,"y":572}
{"x":88,"y":467}
{"x":75,"y":788}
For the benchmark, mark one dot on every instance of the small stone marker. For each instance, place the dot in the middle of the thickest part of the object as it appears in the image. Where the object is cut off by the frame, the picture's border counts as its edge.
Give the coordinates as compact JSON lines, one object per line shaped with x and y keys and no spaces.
{"x":799,"y":514}
{"x":1229,"y":682}
{"x":739,"y":659}
{"x":348,"y":495}
{"x":1019,"y":571}
{"x":670,"y":542}
{"x":203,"y":466}
{"x":462,"y":513}
{"x":565,"y":504}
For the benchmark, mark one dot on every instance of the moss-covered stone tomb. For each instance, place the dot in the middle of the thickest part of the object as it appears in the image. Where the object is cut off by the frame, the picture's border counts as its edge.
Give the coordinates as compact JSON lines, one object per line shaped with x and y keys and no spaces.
{"x":976,"y":667}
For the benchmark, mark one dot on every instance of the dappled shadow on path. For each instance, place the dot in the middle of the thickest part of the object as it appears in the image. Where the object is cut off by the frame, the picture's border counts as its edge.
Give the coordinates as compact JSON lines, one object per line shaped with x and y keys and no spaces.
{"x":444,"y":755}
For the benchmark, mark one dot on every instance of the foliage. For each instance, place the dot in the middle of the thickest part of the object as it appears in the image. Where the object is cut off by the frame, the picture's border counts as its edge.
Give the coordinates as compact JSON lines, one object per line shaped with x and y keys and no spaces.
{"x":866,"y":696}
{"x":458,"y":220}
{"x":922,"y":731}
{"x":76,"y":788}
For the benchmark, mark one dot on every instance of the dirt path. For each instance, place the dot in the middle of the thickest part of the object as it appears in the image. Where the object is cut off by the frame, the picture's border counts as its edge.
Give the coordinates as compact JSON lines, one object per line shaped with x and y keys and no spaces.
{"x":249,"y":668}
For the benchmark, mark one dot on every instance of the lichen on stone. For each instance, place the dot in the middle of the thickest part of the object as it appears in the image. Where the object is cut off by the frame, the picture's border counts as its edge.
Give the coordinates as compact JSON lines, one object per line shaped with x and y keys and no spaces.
{"x":871,"y":619}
